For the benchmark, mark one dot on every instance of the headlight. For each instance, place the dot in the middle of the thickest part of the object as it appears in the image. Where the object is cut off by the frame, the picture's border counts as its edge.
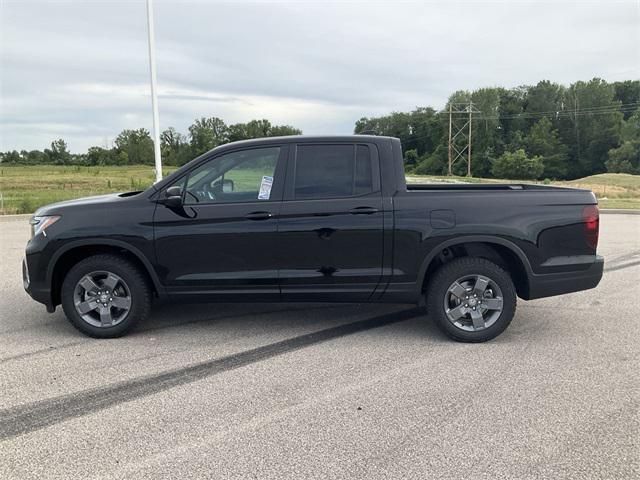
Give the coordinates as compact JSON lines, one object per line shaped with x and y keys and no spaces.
{"x":40,"y":224}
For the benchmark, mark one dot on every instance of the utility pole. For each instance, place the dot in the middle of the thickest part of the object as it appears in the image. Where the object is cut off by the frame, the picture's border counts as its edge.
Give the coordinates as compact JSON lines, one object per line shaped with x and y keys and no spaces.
{"x":450,"y":144}
{"x":575,"y":96}
{"x":469,"y":148}
{"x":460,"y":124}
{"x":154,"y":93}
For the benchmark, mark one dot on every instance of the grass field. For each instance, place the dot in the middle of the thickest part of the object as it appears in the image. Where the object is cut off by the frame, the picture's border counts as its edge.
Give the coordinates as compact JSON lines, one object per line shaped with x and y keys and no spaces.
{"x":25,"y":188}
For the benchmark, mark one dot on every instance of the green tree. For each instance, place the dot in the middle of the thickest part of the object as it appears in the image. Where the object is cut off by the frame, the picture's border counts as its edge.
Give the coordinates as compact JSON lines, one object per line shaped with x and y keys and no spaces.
{"x":396,"y":124}
{"x":410,"y":158}
{"x":137,"y":145}
{"x":545,"y":99}
{"x":590,"y":126}
{"x":59,"y":153}
{"x":486,"y":132}
{"x":35,"y":157}
{"x":100,"y":156}
{"x":628,"y":94}
{"x":421,"y":130}
{"x":424,"y":131}
{"x":207,"y":133}
{"x":121,"y":158}
{"x":284,"y":131}
{"x":238,"y":131}
{"x":626,"y":157}
{"x":174,"y":147}
{"x":512,"y":118}
{"x":433,"y":164}
{"x":630,"y":131}
{"x":516,"y":165}
{"x":11,"y":157}
{"x":259,"y":129}
{"x":623,"y":159}
{"x":543,"y":141}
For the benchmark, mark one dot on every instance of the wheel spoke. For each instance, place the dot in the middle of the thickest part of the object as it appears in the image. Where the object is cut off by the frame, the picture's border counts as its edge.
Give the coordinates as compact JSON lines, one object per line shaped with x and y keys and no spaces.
{"x":88,"y":306}
{"x":105,"y":316}
{"x":110,"y":282}
{"x":493,"y":303}
{"x":457,"y":312}
{"x":121,"y":302}
{"x":478,"y":320}
{"x":458,"y":290}
{"x":88,"y":284}
{"x":480,"y":286}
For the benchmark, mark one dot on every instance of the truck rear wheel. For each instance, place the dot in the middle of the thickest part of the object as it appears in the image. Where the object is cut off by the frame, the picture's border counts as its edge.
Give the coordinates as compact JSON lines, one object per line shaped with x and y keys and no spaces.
{"x":471,"y":299}
{"x":104,"y":296}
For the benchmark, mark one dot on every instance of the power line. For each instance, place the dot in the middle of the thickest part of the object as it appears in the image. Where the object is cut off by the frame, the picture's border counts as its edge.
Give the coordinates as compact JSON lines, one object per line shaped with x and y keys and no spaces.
{"x":603,"y":109}
{"x":622,"y":108}
{"x":477,"y":115}
{"x":610,"y":106}
{"x":559,"y":114}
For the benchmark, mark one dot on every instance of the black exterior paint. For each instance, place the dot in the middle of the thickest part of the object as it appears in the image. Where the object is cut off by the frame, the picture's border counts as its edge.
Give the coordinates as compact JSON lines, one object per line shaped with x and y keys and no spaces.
{"x":374,"y":247}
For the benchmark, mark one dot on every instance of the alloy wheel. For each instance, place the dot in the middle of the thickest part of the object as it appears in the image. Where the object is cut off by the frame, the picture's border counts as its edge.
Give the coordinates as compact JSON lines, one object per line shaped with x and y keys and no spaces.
{"x":102,"y":299}
{"x":473,"y":302}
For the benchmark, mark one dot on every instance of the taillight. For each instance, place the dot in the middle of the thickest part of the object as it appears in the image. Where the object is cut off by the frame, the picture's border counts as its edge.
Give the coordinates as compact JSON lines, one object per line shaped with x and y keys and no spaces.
{"x":591,"y":218}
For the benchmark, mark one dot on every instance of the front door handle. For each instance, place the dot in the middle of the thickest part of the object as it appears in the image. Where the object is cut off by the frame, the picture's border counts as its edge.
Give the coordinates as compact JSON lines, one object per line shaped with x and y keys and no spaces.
{"x":363,"y":211}
{"x":258,"y":216}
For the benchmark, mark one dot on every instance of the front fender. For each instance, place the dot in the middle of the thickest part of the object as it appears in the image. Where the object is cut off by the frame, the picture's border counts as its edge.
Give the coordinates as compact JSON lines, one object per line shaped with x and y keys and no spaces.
{"x":102,"y":242}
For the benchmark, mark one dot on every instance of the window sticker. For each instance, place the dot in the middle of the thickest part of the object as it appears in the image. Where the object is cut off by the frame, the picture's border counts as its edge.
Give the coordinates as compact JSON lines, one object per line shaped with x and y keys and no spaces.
{"x":265,"y":188}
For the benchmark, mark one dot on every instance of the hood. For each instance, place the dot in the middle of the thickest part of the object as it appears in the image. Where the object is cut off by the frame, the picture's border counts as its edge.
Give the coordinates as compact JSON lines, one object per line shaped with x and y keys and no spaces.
{"x":85,"y":202}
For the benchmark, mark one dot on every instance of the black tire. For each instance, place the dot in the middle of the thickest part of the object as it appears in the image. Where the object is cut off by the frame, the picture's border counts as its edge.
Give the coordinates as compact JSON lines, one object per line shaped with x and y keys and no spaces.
{"x":439,"y":296}
{"x":138,"y":295}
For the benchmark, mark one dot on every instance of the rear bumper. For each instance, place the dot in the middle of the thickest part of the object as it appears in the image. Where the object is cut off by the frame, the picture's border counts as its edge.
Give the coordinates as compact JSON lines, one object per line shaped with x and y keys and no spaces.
{"x":550,"y":284}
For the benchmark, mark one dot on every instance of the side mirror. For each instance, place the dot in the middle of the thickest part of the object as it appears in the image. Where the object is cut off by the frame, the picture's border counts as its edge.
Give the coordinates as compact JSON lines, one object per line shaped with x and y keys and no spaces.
{"x":227,"y":185}
{"x":223,"y":186}
{"x":172,"y":197}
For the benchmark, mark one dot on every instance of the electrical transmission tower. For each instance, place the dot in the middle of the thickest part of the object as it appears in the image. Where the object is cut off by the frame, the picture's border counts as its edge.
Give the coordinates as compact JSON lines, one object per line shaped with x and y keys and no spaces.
{"x":460,"y":121}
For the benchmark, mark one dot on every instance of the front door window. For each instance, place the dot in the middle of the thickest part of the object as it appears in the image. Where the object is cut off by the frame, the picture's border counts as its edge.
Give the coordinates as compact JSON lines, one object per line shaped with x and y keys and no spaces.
{"x":245,"y":176}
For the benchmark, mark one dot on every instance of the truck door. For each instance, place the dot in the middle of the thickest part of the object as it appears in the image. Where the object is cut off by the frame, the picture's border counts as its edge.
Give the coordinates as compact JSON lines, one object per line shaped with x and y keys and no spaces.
{"x":221,"y":244}
{"x":330,"y":228}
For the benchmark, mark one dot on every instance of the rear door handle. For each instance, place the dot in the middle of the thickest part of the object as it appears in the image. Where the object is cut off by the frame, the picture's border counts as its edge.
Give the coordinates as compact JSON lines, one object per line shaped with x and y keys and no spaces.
{"x":363,"y":211}
{"x":258,"y":215}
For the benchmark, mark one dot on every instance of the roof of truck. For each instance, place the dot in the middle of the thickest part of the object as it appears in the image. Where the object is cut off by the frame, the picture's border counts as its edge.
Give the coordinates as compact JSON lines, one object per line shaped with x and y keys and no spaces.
{"x":307,"y":138}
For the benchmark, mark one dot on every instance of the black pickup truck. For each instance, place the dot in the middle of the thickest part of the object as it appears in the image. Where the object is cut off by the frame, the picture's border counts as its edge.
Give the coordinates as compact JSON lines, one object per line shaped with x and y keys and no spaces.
{"x":321,"y":219}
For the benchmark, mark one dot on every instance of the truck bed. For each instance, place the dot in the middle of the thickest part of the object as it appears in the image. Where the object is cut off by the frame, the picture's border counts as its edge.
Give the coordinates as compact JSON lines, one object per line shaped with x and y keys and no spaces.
{"x":483,"y":187}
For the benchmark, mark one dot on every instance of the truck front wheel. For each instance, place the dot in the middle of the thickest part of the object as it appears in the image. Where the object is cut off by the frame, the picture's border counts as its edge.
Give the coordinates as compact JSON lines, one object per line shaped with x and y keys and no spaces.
{"x":471,"y":299}
{"x":104,"y":296}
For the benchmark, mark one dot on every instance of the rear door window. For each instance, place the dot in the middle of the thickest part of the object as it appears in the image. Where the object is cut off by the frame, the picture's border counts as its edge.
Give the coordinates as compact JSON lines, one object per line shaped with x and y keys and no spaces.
{"x":332,"y":171}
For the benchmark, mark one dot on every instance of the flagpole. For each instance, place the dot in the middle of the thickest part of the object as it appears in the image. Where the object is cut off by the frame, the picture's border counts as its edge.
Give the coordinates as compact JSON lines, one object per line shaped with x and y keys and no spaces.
{"x":154,"y":93}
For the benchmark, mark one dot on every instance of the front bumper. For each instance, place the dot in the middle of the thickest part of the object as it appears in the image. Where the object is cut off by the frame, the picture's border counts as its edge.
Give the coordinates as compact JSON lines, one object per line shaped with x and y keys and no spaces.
{"x":38,"y":292}
{"x":550,"y":284}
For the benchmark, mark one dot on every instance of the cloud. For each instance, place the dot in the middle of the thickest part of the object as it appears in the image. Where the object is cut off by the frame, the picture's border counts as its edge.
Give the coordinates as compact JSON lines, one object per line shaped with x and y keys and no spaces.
{"x":78,"y":70}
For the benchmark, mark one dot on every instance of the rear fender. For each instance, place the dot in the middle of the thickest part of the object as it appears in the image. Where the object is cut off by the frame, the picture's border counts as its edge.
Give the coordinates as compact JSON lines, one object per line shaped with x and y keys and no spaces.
{"x":488,"y":239}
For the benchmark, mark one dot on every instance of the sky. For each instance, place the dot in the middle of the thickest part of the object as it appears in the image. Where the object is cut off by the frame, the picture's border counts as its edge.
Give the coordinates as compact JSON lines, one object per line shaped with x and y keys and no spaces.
{"x":79,"y":70}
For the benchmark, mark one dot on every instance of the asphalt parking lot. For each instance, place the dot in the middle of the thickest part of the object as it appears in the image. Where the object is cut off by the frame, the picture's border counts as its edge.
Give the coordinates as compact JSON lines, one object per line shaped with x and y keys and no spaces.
{"x":326,"y":391}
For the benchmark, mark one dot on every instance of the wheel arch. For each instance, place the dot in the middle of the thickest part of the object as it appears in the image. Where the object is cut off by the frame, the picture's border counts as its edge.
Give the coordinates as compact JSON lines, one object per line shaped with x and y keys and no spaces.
{"x":496,"y":249}
{"x":70,"y":254}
